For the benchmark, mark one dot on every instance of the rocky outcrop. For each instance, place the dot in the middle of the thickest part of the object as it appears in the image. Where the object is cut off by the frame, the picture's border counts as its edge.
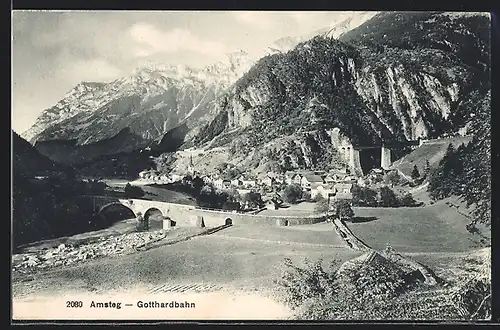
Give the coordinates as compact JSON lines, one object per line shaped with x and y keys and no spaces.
{"x":66,"y":254}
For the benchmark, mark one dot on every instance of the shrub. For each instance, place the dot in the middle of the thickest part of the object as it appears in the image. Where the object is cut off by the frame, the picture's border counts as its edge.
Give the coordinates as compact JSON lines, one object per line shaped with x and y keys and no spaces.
{"x":133,"y":191}
{"x":407,"y":200}
{"x":142,"y":223}
{"x":387,"y":197}
{"x":342,"y":210}
{"x":293,"y":193}
{"x":415,"y":174}
{"x":322,"y":206}
{"x":318,"y":198}
{"x":312,"y":281}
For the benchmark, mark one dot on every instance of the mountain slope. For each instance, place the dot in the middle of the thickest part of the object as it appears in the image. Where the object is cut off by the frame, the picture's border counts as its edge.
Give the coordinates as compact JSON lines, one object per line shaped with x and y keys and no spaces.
{"x":27,"y":161}
{"x":372,"y":89}
{"x":156,"y":98}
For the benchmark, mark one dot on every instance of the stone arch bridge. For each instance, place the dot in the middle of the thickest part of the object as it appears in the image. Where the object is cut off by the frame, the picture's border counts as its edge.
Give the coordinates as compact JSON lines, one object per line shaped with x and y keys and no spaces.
{"x":188,"y":215}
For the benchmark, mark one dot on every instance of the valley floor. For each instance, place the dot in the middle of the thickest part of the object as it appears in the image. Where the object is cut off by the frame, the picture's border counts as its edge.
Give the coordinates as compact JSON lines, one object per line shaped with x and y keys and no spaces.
{"x":237,"y":266}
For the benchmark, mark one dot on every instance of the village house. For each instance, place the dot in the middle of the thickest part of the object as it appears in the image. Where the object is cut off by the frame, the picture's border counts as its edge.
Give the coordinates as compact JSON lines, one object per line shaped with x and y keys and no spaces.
{"x":289,"y":177}
{"x":236,"y":182}
{"x":218,"y":183}
{"x":165,"y":178}
{"x":309,"y":179}
{"x":246,"y":182}
{"x":243,"y":192}
{"x":343,"y":191}
{"x":143,"y":174}
{"x":321,"y":189}
{"x":177,"y":177}
{"x":268,"y":181}
{"x":329,"y":179}
{"x":226,"y":184}
{"x":349,"y":179}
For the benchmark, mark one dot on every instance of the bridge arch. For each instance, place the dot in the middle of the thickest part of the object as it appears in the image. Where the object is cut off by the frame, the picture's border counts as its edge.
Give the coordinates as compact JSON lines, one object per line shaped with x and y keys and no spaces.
{"x":153,"y":214}
{"x":114,"y":204}
{"x":114,"y":212}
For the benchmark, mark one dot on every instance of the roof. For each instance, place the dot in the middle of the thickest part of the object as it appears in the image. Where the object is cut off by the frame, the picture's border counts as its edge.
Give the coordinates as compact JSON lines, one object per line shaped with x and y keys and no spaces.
{"x":315,"y":185}
{"x":343,"y":185}
{"x":313,"y":178}
{"x":341,"y":195}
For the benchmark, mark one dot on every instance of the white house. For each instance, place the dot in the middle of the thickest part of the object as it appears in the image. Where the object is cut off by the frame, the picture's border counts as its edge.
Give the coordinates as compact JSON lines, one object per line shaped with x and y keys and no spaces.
{"x":289,"y":177}
{"x":236,"y":182}
{"x":143,"y":174}
{"x":243,"y":192}
{"x":309,"y":179}
{"x":268,"y":181}
{"x":320,"y":189}
{"x":218,"y":183}
{"x":248,"y":182}
{"x":177,"y":177}
{"x":343,"y":191}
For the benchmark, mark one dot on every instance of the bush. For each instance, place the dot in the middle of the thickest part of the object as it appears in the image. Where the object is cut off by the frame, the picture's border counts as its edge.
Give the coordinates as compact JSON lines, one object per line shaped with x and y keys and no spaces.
{"x":363,"y":196}
{"x":312,"y":281}
{"x":254,"y":199}
{"x":387,"y":197}
{"x":142,"y":223}
{"x":407,"y":200}
{"x":293,"y":193}
{"x":318,"y":198}
{"x":342,"y":210}
{"x":133,"y":191}
{"x":322,"y":206}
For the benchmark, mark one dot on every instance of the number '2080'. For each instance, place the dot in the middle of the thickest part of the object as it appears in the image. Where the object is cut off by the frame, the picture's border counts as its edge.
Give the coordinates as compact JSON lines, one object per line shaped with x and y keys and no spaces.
{"x":74,"y":304}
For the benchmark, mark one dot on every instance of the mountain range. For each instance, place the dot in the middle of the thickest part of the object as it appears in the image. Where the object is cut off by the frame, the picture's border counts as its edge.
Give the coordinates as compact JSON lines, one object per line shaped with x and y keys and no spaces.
{"x":373,"y":76}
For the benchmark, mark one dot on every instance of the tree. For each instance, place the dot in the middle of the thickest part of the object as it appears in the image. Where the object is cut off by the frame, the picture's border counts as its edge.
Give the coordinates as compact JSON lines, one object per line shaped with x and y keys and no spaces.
{"x":363,"y":196}
{"x":342,"y":210}
{"x":387,"y":197}
{"x":392,"y":178}
{"x":427,"y":168}
{"x":318,"y":198}
{"x":287,"y":164}
{"x":254,"y":199}
{"x":133,"y":191}
{"x":293,"y":193}
{"x":407,"y":200}
{"x":415,"y":174}
{"x":322,"y":205}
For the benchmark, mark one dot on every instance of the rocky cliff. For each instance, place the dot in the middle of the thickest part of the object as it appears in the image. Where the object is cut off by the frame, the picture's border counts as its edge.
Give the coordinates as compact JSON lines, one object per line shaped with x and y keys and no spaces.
{"x":397,"y":77}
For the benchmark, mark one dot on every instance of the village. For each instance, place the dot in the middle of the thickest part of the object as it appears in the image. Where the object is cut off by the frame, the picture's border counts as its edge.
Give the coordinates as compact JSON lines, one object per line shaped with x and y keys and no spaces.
{"x":330,"y":185}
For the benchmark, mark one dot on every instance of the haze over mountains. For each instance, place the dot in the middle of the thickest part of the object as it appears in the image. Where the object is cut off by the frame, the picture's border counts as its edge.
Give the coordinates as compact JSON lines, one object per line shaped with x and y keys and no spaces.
{"x":393,"y":76}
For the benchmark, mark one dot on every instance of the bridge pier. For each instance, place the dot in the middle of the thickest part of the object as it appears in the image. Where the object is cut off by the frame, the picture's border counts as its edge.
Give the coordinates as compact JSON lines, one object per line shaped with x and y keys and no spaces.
{"x":385,"y":158}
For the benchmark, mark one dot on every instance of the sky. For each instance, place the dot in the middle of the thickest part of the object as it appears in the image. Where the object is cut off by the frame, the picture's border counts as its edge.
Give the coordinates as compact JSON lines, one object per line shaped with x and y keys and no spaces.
{"x":54,"y":51}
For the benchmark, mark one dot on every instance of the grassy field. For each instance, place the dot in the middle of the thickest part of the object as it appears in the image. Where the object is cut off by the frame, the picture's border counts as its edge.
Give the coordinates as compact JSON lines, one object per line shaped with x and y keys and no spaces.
{"x":312,"y":234}
{"x":206,"y":259}
{"x":304,"y":208}
{"x":432,"y":151}
{"x":433,"y":228}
